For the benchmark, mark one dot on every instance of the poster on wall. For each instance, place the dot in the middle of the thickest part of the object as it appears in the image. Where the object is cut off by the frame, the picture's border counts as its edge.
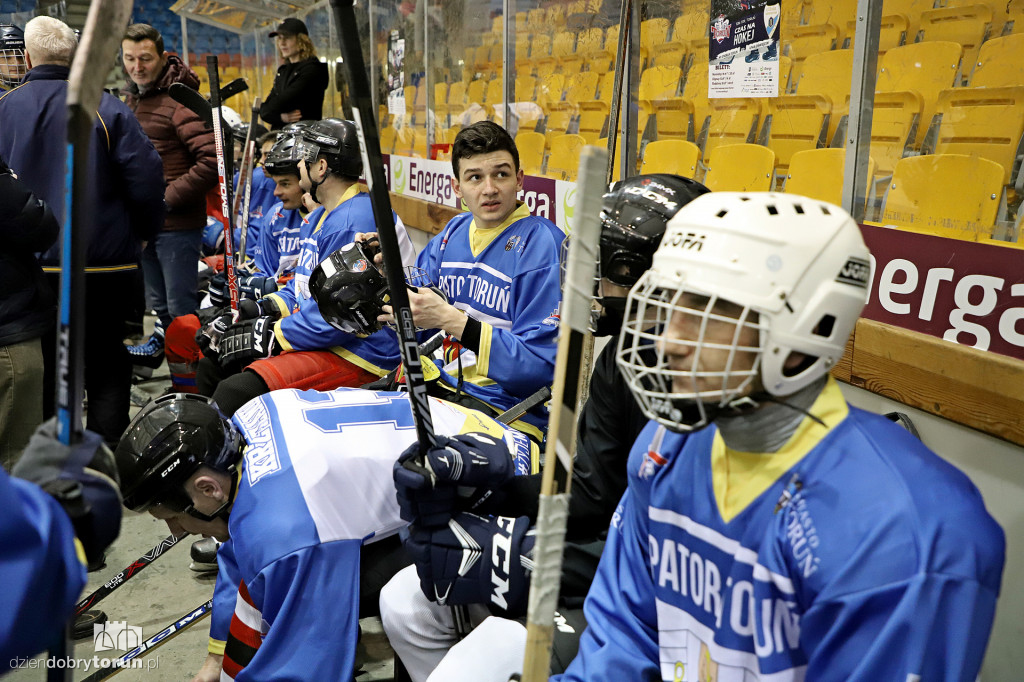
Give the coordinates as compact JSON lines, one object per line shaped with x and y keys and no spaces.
{"x":396,"y":75}
{"x":744,"y":48}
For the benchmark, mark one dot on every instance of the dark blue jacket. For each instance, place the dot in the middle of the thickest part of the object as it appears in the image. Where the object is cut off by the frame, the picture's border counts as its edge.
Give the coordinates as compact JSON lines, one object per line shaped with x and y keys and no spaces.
{"x":127,"y":194}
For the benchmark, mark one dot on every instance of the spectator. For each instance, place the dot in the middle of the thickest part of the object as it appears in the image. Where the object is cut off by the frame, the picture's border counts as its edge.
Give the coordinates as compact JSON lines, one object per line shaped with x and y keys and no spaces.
{"x":27,"y":227}
{"x":12,"y":56}
{"x":126,"y":190}
{"x":300,"y":83}
{"x":190,"y":171}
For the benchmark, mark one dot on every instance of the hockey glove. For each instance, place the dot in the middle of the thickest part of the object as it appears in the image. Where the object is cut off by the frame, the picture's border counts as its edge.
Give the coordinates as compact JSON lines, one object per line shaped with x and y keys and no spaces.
{"x":210,"y":334}
{"x":475,"y":560}
{"x":247,"y":341}
{"x":82,"y":478}
{"x":249,"y":309}
{"x":256,"y":287}
{"x":218,"y":290}
{"x":455,"y":475}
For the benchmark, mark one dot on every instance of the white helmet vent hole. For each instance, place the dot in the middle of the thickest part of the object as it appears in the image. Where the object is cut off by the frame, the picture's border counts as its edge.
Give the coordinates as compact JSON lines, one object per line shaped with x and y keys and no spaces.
{"x":798,"y":208}
{"x":721,"y":214}
{"x":772,"y":210}
{"x":824,"y":209}
{"x":825,"y":326}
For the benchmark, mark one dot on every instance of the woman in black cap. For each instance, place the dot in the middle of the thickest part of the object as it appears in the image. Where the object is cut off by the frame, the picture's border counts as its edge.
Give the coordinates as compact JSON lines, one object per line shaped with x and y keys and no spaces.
{"x":300,"y":83}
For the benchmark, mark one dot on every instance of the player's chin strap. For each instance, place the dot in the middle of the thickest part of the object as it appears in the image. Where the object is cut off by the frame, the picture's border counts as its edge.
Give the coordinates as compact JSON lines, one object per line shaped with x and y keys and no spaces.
{"x":224,"y":510}
{"x":313,"y":184}
{"x":762,"y":422}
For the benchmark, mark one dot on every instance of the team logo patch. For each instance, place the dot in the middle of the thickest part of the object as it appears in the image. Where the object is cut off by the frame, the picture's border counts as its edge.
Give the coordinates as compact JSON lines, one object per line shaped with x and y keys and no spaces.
{"x":720,"y":29}
{"x":856,"y":272}
{"x":359,"y":265}
{"x":512,"y":243}
{"x":653,"y":460}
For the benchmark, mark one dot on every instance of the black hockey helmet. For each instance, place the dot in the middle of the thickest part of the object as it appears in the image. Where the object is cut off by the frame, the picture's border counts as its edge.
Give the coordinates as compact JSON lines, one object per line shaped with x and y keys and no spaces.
{"x":166,"y":443}
{"x":239,"y":131}
{"x":633,"y":218}
{"x":292,"y":128}
{"x":12,"y":55}
{"x":336,"y":141}
{"x":349,"y":290}
{"x":284,"y":156}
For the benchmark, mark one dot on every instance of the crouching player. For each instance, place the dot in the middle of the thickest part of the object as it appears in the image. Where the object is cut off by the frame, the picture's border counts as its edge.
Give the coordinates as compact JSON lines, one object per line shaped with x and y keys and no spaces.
{"x":770,"y":531}
{"x":296,"y":483}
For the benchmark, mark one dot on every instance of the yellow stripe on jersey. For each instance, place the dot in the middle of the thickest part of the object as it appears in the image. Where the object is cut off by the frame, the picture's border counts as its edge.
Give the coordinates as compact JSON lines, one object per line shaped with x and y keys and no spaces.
{"x":480,"y":238}
{"x":346,"y":354}
{"x":80,"y":552}
{"x":739,"y":478}
{"x":216,"y":646}
{"x":349,"y":193}
{"x":483,"y":355}
{"x":280,"y":304}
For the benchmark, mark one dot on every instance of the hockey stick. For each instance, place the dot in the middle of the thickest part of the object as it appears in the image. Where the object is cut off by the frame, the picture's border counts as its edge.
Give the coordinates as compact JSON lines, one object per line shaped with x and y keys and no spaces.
{"x":89,"y":69}
{"x":127,"y":573}
{"x":248,"y":164}
{"x":561,"y":444}
{"x":195,"y":102}
{"x":519,"y":409}
{"x":621,"y":64}
{"x":167,"y":634}
{"x":218,"y":139}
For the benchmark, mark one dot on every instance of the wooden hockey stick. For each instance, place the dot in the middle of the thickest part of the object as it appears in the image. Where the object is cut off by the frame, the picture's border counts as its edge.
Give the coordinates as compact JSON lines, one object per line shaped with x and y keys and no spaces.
{"x":93,"y":61}
{"x":159,"y":639}
{"x":570,"y":371}
{"x":248,"y":165}
{"x":218,"y":139}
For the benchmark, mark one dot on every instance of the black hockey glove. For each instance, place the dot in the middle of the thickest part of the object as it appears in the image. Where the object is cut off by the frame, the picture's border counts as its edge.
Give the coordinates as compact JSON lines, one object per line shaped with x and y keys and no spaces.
{"x":456,"y":475}
{"x":218,"y":289}
{"x":82,"y":478}
{"x":475,"y":560}
{"x":249,"y":309}
{"x":256,"y":287}
{"x":247,"y":341}
{"x":210,"y":334}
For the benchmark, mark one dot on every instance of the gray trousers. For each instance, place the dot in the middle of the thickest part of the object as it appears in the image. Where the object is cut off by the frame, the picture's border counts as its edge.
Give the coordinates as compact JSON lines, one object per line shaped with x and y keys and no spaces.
{"x":21,"y":397}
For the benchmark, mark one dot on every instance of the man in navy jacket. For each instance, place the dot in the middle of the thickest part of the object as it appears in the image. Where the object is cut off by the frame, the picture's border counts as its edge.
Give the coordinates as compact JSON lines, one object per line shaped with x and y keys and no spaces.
{"x":126,"y":196}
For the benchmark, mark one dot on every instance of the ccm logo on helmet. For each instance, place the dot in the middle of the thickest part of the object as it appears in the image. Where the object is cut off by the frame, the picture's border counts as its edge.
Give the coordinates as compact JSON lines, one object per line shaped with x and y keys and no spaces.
{"x":657,"y":198}
{"x":686,"y":240}
{"x":856,"y":272}
{"x":171,"y":468}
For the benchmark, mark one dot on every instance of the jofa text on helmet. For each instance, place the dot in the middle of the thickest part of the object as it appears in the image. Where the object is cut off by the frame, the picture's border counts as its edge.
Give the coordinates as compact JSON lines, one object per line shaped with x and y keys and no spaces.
{"x":686,"y":240}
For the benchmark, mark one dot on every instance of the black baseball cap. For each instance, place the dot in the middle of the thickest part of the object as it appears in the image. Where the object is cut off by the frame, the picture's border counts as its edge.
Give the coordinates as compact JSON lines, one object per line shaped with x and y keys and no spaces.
{"x":290,"y":27}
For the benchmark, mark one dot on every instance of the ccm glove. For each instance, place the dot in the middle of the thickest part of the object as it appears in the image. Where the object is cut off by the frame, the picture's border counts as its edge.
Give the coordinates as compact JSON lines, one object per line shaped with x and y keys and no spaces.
{"x":458,"y":473}
{"x":249,"y":309}
{"x":82,"y":478}
{"x":475,"y":560}
{"x":256,"y":287}
{"x":247,"y":341}
{"x":210,"y":334}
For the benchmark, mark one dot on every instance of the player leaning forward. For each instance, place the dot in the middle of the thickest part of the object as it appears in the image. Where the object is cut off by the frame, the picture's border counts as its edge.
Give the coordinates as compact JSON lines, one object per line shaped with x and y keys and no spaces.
{"x":770,"y":530}
{"x":295,"y":483}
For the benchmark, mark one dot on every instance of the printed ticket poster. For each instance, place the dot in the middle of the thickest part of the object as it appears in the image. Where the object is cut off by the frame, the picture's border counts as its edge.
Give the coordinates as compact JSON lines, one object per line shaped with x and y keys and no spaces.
{"x":396,"y":75}
{"x":744,"y":48}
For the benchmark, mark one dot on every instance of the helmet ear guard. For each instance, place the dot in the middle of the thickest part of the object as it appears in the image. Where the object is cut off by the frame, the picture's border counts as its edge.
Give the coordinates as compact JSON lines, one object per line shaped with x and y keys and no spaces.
{"x":797,"y":266}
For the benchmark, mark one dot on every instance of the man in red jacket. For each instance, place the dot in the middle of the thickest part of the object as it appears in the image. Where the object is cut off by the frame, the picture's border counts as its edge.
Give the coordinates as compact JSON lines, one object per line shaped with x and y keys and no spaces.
{"x":190,"y":171}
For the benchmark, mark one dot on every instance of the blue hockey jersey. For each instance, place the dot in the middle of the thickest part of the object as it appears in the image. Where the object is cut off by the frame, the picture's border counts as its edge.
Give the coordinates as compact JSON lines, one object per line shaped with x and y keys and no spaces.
{"x":854,"y":553}
{"x":512,"y":288}
{"x":41,"y":569}
{"x":277,"y":250}
{"x":261,"y":199}
{"x":303,"y":327}
{"x":316,"y":485}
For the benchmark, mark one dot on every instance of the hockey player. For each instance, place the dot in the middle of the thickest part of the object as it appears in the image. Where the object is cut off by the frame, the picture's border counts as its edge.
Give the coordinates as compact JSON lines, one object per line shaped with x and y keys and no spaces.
{"x":12,"y":56}
{"x":61,"y":508}
{"x":297,"y":482}
{"x":274,"y":258}
{"x":770,"y":530}
{"x":498,"y":267}
{"x":633,"y":218}
{"x":283,"y":341}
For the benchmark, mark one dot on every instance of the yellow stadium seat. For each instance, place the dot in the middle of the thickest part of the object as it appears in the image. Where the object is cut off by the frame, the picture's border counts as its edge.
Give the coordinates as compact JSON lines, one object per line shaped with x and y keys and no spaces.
{"x":564,"y":160}
{"x":985,"y":122}
{"x":1014,"y":17}
{"x":893,"y":32}
{"x":803,"y":41}
{"x":731,"y":121}
{"x":926,"y":68}
{"x":818,"y":173}
{"x":670,"y":54}
{"x":692,"y":23}
{"x":740,"y":168}
{"x":493,"y":94}
{"x":592,"y":122}
{"x":795,"y":123}
{"x":653,"y":34}
{"x":678,"y":157}
{"x":556,"y":124}
{"x":617,"y":159}
{"x":535,"y":20}
{"x":894,"y":122}
{"x":998,"y":8}
{"x":785,"y":70}
{"x":1000,"y":62}
{"x":929,"y":193}
{"x":476,"y":93}
{"x":695,"y":91}
{"x":590,"y":43}
{"x":531,"y":152}
{"x":550,"y":90}
{"x":967,"y":25}
{"x":387,"y":139}
{"x":829,"y":74}
{"x":911,"y":9}
{"x":581,"y":86}
{"x":658,"y":84}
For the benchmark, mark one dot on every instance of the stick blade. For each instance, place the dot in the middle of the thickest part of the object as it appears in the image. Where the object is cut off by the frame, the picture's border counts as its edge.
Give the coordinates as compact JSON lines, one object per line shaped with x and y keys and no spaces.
{"x":94,"y":58}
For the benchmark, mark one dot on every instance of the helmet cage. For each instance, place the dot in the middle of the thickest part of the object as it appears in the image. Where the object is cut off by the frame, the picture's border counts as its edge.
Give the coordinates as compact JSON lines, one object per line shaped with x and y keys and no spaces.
{"x":685,"y":354}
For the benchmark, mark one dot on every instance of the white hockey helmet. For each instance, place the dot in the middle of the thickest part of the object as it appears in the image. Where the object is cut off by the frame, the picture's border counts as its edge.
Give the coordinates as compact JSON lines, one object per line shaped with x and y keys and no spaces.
{"x":792,"y":269}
